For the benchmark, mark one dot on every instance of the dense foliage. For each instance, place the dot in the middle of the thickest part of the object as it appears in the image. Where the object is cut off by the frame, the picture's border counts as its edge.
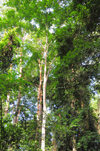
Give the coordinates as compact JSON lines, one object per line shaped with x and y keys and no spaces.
{"x":61,"y":39}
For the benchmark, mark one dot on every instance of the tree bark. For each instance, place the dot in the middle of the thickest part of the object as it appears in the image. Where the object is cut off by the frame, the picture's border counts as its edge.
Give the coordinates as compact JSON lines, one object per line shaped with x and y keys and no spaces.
{"x":39,"y":105}
{"x":74,"y":144}
{"x":54,"y":142}
{"x":44,"y":97}
{"x":73,"y":112}
{"x":39,"y":98}
{"x":17,"y":113}
{"x":7,"y":103}
{"x":44,"y":105}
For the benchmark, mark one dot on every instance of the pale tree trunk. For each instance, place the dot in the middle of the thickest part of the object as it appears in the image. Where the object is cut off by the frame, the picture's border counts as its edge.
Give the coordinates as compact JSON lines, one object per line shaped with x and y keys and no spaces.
{"x":46,"y":74}
{"x":39,"y":105}
{"x":17,"y":112}
{"x":39,"y":98}
{"x":44,"y":106}
{"x":99,"y":116}
{"x":44,"y":98}
{"x":74,"y":144}
{"x":7,"y":104}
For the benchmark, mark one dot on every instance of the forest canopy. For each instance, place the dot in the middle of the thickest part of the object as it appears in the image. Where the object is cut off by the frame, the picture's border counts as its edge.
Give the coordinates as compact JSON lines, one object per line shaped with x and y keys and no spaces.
{"x":49,"y":75}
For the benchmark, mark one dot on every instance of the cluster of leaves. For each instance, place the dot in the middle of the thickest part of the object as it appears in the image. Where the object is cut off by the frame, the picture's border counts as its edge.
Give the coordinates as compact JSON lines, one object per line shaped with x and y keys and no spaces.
{"x":7,"y":45}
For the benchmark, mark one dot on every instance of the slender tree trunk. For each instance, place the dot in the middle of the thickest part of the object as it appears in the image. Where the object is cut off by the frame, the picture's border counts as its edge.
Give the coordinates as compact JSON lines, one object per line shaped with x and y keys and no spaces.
{"x":99,"y":116}
{"x":44,"y":104}
{"x":17,"y":112}
{"x":73,"y":138}
{"x":73,"y":112}
{"x":54,"y":142}
{"x":7,"y":103}
{"x":39,"y":98}
{"x":74,"y":144}
{"x":39,"y":105}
